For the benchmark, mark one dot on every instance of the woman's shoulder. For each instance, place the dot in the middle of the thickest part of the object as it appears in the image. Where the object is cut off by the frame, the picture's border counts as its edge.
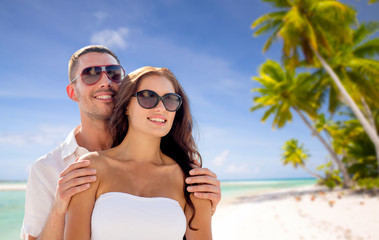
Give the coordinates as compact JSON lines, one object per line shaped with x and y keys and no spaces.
{"x":97,"y":160}
{"x":175,"y":170}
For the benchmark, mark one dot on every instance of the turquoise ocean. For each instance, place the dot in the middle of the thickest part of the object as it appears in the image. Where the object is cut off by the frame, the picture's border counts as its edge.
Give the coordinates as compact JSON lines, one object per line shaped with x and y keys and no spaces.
{"x":12,"y":202}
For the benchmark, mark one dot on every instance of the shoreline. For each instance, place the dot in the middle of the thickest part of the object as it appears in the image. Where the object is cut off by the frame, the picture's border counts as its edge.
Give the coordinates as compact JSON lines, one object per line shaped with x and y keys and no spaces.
{"x":306,"y":212}
{"x":12,"y":186}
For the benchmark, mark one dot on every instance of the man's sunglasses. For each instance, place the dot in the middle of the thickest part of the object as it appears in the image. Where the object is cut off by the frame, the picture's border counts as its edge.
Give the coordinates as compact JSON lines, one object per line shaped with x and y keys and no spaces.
{"x":149,"y":99}
{"x":92,"y":75}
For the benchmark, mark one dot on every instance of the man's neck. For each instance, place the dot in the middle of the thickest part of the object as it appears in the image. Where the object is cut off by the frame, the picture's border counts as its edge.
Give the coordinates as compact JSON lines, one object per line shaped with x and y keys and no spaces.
{"x":93,"y":135}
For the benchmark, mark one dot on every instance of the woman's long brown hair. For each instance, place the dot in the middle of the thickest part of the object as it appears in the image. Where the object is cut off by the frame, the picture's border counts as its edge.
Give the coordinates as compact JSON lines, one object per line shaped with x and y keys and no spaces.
{"x":179,"y":143}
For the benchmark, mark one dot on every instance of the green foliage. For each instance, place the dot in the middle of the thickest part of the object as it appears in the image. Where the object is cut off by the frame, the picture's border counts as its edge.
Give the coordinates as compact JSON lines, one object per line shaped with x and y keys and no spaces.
{"x":282,"y":90}
{"x":356,"y":63}
{"x":332,"y":177}
{"x":330,"y":28}
{"x":294,"y":153}
{"x":305,"y":24}
{"x":368,"y":183}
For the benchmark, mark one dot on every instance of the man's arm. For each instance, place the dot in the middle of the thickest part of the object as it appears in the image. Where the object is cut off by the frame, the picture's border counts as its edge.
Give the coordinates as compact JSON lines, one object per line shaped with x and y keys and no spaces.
{"x":74,"y":179}
{"x":208,"y":185}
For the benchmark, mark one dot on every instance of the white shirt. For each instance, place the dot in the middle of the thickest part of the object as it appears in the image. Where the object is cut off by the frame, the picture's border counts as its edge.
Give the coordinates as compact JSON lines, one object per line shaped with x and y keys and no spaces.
{"x":42,"y":184}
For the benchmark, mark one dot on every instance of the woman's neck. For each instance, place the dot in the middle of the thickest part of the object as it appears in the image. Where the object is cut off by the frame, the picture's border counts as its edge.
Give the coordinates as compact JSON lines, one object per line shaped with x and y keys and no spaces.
{"x":140,"y":147}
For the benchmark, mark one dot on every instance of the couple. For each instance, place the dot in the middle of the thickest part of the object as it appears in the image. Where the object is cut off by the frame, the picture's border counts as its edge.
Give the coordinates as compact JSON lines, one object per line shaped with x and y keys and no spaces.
{"x":136,"y":189}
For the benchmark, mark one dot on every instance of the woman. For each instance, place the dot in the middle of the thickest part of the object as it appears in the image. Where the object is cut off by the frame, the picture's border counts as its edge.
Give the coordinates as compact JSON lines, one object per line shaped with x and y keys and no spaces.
{"x":140,"y":191}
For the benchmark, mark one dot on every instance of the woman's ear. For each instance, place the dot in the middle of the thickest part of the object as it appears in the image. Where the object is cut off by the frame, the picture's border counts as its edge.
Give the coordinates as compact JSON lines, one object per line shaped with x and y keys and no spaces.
{"x":71,"y":92}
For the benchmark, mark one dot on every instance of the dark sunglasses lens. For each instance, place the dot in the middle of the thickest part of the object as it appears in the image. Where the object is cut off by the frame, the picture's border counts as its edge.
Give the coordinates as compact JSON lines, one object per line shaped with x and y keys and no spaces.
{"x":91,"y":75}
{"x":115,"y":73}
{"x":147,"y":99}
{"x":171,"y":102}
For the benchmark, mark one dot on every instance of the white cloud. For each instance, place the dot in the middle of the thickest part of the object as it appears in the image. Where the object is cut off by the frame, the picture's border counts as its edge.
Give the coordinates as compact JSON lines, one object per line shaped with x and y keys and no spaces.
{"x":237,"y":169}
{"x":41,"y":136}
{"x":111,"y":38}
{"x":221,"y":159}
{"x":100,"y":16}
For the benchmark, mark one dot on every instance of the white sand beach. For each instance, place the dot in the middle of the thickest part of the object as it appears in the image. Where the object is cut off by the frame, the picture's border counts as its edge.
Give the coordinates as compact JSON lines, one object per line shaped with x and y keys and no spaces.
{"x":12,"y":186}
{"x":298,"y":213}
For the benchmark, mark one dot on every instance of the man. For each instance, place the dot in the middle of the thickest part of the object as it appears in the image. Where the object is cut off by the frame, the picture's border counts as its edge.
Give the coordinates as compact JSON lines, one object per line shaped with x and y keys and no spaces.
{"x":95,"y":74}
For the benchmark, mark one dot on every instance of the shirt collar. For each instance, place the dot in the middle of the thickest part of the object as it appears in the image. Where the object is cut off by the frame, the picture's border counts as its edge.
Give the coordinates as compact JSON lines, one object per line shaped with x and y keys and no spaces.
{"x":70,"y":145}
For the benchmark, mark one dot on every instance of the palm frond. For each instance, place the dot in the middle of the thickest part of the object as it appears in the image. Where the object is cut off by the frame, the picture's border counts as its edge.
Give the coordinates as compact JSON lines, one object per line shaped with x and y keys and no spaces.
{"x":268,"y":113}
{"x":369,"y":67}
{"x":364,"y":31}
{"x":272,"y":69}
{"x":269,"y":27}
{"x":335,"y":10}
{"x":270,"y":40}
{"x":367,"y":49}
{"x":267,"y":18}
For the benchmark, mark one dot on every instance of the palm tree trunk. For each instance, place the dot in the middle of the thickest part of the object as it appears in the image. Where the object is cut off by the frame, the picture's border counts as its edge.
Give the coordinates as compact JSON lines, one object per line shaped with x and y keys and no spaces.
{"x":372,"y":134}
{"x":371,"y":119}
{"x":311,"y":173}
{"x":347,"y":182}
{"x":368,"y":113}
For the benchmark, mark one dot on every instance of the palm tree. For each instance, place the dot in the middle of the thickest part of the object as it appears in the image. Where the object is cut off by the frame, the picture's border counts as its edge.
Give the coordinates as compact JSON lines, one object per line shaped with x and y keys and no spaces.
{"x":307,"y":28}
{"x":283,"y":91}
{"x":296,"y":155}
{"x":355,"y":63}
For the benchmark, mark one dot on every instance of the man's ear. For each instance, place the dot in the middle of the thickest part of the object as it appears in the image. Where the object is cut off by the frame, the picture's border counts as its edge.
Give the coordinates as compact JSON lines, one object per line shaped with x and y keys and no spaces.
{"x":71,"y":92}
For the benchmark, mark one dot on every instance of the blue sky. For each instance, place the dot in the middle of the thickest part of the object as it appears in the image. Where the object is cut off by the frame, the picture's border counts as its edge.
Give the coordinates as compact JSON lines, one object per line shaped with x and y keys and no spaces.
{"x":208,"y":44}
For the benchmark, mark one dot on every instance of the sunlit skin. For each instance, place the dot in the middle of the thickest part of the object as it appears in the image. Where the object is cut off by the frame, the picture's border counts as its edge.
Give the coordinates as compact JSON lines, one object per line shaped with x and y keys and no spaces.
{"x":145,"y":124}
{"x":137,"y":166}
{"x":95,"y":101}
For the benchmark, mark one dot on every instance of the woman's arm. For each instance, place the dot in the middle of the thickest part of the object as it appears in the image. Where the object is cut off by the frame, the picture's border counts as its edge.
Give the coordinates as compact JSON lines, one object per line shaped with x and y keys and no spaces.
{"x":78,"y":218}
{"x":201,"y":221}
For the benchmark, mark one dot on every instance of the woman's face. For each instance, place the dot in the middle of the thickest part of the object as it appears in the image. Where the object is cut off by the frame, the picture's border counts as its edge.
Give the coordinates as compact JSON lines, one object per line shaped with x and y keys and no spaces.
{"x":156,"y":121}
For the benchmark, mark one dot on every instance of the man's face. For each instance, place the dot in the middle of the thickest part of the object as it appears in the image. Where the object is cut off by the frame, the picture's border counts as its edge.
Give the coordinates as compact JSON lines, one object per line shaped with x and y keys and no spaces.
{"x":95,"y":101}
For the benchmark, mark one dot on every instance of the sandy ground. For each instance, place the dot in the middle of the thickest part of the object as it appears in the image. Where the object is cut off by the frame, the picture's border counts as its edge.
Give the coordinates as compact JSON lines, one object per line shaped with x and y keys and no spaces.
{"x":301,"y":213}
{"x":12,"y":187}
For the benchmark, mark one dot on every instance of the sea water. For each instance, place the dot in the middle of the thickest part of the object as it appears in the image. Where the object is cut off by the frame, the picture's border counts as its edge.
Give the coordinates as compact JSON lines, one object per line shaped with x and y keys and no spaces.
{"x":12,"y":202}
{"x":231,"y":189}
{"x":11,"y":214}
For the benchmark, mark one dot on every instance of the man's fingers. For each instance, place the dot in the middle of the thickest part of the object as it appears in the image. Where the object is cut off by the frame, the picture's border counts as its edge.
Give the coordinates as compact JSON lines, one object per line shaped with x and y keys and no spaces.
{"x":78,"y":181}
{"x":203,"y":180}
{"x":73,"y":166}
{"x":210,"y":196}
{"x":74,"y":190}
{"x":76,"y":173}
{"x":203,"y":188}
{"x":202,"y":171}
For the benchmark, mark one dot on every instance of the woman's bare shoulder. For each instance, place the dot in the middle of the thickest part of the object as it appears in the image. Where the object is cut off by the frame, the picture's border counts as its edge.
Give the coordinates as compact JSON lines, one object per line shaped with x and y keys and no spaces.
{"x":96,"y":158}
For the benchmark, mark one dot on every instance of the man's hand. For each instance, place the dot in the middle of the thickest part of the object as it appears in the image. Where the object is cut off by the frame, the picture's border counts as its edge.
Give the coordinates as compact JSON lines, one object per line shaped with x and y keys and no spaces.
{"x":208,"y":186}
{"x":74,"y":179}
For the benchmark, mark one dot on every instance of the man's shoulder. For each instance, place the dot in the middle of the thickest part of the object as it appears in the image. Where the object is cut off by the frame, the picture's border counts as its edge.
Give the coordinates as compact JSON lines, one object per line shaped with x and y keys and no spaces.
{"x":51,"y":158}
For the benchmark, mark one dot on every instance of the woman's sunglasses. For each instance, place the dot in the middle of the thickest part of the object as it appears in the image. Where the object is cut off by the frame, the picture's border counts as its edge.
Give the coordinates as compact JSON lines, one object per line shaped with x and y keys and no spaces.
{"x":92,"y":75}
{"x":149,"y":99}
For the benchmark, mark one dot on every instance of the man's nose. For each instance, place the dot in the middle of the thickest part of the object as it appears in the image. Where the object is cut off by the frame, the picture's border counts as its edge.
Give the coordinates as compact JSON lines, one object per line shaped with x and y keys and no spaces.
{"x":105,"y":81}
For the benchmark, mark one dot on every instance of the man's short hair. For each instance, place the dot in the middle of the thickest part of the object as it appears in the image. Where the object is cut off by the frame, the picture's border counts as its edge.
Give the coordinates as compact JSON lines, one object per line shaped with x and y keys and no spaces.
{"x":72,"y":64}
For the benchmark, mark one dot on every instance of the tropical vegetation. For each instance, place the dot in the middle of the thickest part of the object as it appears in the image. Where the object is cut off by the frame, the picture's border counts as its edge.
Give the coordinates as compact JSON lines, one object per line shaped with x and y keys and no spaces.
{"x":329,"y":61}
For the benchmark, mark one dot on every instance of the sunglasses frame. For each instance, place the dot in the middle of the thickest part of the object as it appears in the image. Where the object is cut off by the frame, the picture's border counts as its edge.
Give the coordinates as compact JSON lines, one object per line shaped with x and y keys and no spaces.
{"x":159,"y":99}
{"x":103,"y":70}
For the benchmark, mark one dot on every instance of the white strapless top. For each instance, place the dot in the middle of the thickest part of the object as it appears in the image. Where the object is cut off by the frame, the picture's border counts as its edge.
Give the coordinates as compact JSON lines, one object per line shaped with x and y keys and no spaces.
{"x":118,"y":215}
